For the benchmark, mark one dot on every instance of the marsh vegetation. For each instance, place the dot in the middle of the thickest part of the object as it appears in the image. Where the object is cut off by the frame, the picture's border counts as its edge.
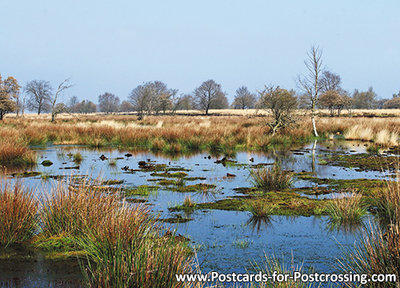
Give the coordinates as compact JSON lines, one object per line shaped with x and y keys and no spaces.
{"x":223,"y":183}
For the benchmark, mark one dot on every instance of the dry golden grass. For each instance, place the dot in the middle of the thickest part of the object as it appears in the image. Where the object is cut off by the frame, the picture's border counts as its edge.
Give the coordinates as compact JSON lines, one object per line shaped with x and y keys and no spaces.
{"x":174,"y":134}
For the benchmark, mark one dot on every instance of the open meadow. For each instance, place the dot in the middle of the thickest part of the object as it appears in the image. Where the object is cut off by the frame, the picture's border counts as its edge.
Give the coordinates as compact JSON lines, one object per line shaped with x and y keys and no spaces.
{"x":110,"y":200}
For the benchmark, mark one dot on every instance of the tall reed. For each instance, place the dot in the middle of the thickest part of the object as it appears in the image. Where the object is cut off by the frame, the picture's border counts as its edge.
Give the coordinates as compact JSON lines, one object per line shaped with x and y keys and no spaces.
{"x":18,"y":214}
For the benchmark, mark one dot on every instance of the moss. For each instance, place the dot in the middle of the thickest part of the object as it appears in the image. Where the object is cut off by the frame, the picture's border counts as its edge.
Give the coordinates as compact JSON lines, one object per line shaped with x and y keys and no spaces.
{"x":194,"y":178}
{"x":142,"y":190}
{"x":367,"y":187}
{"x":175,"y":220}
{"x":170,"y":175}
{"x":112,"y":182}
{"x":166,"y":182}
{"x":193,"y":188}
{"x":27,"y":174}
{"x":281,"y":203}
{"x":363,"y":162}
{"x":60,"y":242}
{"x":64,"y":255}
{"x":245,"y":190}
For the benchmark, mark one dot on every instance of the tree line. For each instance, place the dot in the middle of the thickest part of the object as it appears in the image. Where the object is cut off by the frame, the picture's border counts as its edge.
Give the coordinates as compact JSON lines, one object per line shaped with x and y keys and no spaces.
{"x":319,"y":88}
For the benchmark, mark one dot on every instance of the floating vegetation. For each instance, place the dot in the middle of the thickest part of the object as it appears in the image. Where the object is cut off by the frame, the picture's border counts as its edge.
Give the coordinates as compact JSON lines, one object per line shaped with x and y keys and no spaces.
{"x":170,"y":175}
{"x":194,"y":188}
{"x":177,"y":219}
{"x":27,"y":174}
{"x":46,"y":163}
{"x":112,"y":182}
{"x":142,"y":190}
{"x":77,"y":158}
{"x":242,"y":244}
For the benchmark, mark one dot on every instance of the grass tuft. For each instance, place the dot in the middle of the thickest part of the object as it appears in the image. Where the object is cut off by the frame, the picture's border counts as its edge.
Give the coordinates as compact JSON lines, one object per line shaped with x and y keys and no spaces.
{"x":271,"y":179}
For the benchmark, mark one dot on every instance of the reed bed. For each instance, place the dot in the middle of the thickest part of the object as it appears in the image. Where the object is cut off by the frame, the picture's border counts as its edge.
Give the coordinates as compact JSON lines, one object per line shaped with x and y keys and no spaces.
{"x":184,"y":134}
{"x":119,"y":244}
{"x":18,"y":214}
{"x":378,"y":252}
{"x":14,"y":150}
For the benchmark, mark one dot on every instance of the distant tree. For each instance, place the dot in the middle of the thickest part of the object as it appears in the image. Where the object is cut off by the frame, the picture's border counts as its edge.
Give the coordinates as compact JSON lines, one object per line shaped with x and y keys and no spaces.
{"x":396,"y":95}
{"x":108,"y":103}
{"x":244,"y":99}
{"x":72,"y":104}
{"x":330,"y":81}
{"x":152,"y":97}
{"x":311,"y":82}
{"x":39,"y":95}
{"x":186,"y":102}
{"x":220,"y":102}
{"x":332,"y":100}
{"x":55,"y":108}
{"x":282,"y":103}
{"x":126,"y":107}
{"x":12,"y":88}
{"x":364,"y":100}
{"x":85,"y":107}
{"x":207,"y":94}
{"x":7,"y":103}
{"x":393,"y":103}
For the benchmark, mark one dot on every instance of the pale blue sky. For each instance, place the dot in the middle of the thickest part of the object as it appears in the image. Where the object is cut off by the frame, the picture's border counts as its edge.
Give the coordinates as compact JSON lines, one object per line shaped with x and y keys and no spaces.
{"x":116,"y":45}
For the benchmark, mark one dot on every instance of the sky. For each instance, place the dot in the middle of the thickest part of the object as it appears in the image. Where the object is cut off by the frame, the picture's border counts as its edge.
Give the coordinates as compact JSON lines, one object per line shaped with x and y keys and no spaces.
{"x":113,"y":46}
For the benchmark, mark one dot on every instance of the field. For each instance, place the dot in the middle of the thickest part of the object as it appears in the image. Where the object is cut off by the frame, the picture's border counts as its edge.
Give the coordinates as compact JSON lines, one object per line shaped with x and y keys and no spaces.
{"x":108,"y":200}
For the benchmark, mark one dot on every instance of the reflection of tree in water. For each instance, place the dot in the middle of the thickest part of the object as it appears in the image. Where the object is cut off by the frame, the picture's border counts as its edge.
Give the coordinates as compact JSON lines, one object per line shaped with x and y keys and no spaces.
{"x":257,"y":223}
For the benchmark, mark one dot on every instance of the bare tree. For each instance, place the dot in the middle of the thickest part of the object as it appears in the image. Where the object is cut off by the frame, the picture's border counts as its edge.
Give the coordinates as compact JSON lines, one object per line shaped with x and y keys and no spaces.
{"x":244,"y":99}
{"x":108,"y":102}
{"x":330,"y":81}
{"x":207,"y":94}
{"x":310,"y":83}
{"x":55,"y":108}
{"x":365,"y":100}
{"x":152,"y":97}
{"x":39,"y":92}
{"x":282,"y":103}
{"x":126,"y":107}
{"x":185,"y":102}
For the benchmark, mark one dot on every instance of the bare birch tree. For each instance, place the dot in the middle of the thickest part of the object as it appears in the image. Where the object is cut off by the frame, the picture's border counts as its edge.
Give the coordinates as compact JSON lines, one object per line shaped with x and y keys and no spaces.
{"x":55,"y":109}
{"x":310,"y":83}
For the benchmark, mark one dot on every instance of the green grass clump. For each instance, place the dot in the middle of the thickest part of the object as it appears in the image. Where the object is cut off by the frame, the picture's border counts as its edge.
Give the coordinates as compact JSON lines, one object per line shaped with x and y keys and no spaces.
{"x":18,"y":214}
{"x":346,"y":210}
{"x":142,"y":190}
{"x":260,"y":209}
{"x":271,"y":179}
{"x":77,"y":158}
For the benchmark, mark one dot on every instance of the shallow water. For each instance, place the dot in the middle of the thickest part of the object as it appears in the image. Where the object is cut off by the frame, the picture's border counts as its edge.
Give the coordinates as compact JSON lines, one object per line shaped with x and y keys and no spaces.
{"x":224,"y":240}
